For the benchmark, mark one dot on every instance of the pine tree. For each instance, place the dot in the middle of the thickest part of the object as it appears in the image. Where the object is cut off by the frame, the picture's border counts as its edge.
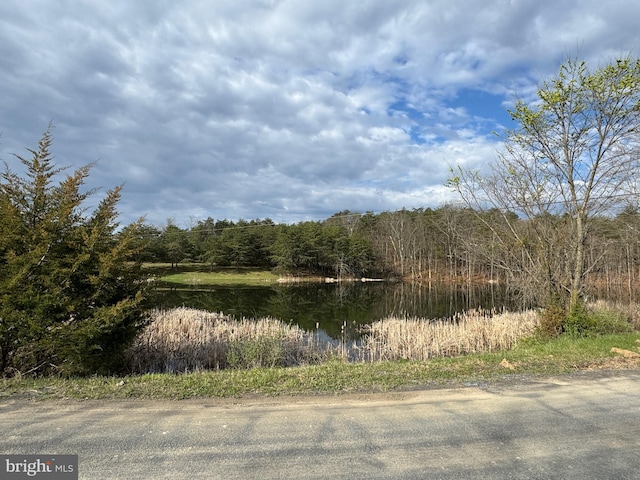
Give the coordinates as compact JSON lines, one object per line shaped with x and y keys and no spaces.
{"x":70,"y":297}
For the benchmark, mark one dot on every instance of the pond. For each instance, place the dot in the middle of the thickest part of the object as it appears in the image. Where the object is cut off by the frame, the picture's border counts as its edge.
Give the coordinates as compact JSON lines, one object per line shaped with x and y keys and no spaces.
{"x":339,"y":309}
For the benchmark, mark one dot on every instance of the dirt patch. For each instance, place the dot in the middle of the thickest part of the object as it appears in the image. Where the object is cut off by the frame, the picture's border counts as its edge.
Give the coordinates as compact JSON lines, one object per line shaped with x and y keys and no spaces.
{"x":616,"y":363}
{"x":507,"y":364}
{"x":625,"y":353}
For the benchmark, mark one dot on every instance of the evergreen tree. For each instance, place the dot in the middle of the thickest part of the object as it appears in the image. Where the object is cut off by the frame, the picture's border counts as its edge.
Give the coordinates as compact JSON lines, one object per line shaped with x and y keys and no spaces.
{"x":70,"y":298}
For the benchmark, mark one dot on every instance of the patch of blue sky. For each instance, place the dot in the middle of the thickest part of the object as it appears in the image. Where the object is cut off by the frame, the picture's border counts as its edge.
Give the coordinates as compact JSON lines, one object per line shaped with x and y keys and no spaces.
{"x":415,"y":120}
{"x":407,"y":110}
{"x":486,"y":110}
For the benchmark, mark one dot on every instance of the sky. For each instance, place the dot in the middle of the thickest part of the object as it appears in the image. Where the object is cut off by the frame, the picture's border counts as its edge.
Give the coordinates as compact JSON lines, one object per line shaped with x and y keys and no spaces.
{"x":291,"y":110}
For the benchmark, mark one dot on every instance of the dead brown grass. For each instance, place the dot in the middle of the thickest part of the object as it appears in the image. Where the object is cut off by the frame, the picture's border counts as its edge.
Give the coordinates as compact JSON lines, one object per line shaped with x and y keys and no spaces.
{"x":420,"y":339}
{"x":186,"y":339}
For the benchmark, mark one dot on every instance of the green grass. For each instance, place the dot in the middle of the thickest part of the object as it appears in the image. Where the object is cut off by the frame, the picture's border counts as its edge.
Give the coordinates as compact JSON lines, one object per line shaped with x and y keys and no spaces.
{"x":200,"y":274}
{"x":531,"y":357}
{"x":222,"y":278}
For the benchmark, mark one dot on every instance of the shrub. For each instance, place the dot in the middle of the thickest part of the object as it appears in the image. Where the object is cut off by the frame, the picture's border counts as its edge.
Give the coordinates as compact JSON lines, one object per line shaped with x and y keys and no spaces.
{"x":70,"y":299}
{"x":551,"y":321}
{"x":627,"y":313}
{"x":579,"y":322}
{"x":594,"y":320}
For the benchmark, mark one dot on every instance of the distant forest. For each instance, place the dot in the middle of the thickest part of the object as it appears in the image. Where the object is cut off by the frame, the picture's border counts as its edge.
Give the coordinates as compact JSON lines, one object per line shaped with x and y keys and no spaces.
{"x":449,"y":244}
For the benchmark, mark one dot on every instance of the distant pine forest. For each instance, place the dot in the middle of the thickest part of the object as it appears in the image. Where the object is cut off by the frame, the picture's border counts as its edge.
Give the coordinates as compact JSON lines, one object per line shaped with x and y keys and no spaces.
{"x":448,"y":244}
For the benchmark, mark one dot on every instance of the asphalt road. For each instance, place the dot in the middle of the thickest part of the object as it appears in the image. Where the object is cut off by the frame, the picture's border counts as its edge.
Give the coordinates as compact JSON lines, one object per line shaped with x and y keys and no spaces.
{"x":577,"y":427}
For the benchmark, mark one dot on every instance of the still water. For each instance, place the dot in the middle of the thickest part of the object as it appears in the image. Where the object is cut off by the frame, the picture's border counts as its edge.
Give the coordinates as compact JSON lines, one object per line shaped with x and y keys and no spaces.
{"x":339,"y":309}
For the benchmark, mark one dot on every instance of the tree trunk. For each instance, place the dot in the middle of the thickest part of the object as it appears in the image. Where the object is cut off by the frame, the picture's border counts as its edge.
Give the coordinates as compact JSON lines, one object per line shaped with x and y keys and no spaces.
{"x":578,"y":267}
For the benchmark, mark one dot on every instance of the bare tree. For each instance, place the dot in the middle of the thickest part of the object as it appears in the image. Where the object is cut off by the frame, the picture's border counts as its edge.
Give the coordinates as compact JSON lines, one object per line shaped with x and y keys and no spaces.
{"x":573,"y":156}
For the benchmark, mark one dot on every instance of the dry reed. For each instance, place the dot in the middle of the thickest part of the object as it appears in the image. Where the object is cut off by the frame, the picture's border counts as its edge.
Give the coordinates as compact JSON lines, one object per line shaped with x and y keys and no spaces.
{"x":185,"y":339}
{"x":420,"y":339}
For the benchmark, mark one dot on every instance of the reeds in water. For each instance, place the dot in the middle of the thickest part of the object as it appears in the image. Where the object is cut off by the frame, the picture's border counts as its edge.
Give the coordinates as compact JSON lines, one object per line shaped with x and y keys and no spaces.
{"x":470,"y":332}
{"x":185,"y":339}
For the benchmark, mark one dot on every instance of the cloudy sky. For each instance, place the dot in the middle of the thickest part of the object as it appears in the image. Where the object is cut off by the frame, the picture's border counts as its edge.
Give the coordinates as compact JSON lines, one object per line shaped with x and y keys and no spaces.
{"x":287,"y":109}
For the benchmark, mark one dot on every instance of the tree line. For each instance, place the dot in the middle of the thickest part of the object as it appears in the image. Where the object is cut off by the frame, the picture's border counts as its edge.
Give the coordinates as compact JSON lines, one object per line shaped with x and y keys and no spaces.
{"x":451,"y":243}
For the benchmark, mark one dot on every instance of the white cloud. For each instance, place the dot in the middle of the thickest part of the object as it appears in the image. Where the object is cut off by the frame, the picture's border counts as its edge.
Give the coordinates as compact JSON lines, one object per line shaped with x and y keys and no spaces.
{"x":285,"y":109}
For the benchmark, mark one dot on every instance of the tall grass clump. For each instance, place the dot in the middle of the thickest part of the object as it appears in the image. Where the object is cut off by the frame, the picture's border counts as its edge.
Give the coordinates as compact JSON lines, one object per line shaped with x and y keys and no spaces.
{"x":185,"y":339}
{"x":470,"y":332}
{"x":601,"y":318}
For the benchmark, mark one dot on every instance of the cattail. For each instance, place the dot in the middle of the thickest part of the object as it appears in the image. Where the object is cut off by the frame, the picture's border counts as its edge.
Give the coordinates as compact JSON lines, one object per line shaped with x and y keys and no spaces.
{"x":185,"y":339}
{"x":420,"y":339}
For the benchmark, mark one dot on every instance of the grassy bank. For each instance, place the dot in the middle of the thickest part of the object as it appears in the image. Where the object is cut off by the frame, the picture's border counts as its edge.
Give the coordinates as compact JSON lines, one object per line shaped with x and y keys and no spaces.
{"x":247,"y":357}
{"x":531,"y":357}
{"x":194,"y":274}
{"x":190,"y":274}
{"x":223,"y":277}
